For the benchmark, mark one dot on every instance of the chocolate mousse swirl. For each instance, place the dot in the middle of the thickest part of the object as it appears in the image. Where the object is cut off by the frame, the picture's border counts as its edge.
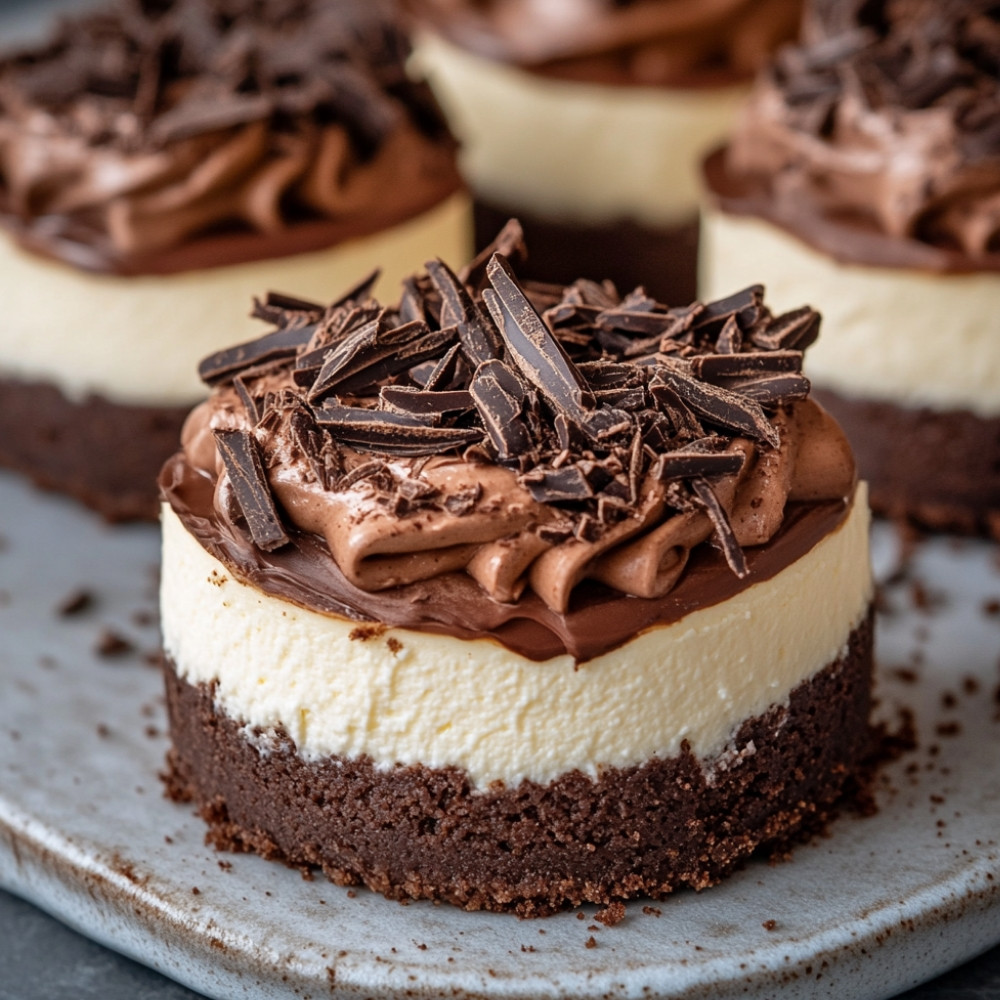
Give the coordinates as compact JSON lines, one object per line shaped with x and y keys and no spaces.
{"x":645,"y":42}
{"x":137,"y":131}
{"x":487,"y":446}
{"x":887,"y":118}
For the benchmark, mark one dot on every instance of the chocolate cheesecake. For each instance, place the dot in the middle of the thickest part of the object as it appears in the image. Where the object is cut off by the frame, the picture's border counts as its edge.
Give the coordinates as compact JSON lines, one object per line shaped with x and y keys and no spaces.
{"x":515,"y":596}
{"x":161,"y":162}
{"x":864,"y":174}
{"x":587,"y":120}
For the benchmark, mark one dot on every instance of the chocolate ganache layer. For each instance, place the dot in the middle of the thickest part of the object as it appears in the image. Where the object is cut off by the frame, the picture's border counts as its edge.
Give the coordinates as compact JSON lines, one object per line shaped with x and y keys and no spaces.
{"x":156,"y":138}
{"x":621,"y":42}
{"x":877,"y":140}
{"x":556,"y":467}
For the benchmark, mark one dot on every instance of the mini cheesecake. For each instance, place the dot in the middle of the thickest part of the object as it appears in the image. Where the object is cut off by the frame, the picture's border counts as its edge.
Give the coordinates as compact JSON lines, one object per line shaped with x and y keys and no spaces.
{"x":159,"y":163}
{"x":514,"y":596}
{"x":864,"y":175}
{"x":587,"y":121}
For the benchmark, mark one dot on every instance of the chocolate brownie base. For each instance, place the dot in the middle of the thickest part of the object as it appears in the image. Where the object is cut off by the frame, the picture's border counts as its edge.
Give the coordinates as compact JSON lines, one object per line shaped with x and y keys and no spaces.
{"x":105,"y":454}
{"x":664,"y":260}
{"x":936,"y":469}
{"x":417,"y":832}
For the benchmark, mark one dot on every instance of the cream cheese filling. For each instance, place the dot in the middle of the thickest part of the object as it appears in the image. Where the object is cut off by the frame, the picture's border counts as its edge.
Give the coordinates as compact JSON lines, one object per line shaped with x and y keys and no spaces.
{"x":577,"y":152}
{"x":138,"y":340}
{"x":409,"y":697}
{"x":908,"y":337}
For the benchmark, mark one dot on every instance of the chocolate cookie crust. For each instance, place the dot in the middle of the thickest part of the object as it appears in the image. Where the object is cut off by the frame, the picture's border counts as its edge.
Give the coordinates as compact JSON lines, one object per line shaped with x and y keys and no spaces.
{"x":417,"y":832}
{"x":956,"y":489}
{"x":107,"y":455}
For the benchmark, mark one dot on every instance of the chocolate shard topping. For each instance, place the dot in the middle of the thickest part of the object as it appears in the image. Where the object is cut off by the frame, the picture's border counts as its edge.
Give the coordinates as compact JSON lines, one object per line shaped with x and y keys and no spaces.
{"x":586,"y":395}
{"x":720,"y":406}
{"x":572,"y":482}
{"x":771,"y":390}
{"x":390,"y":433}
{"x":244,"y":465}
{"x":509,"y":243}
{"x":691,"y":464}
{"x":723,"y":529}
{"x":282,"y":343}
{"x":532,"y":348}
{"x":480,"y":341}
{"x":796,"y":330}
{"x":501,"y":397}
{"x":712,"y":367}
{"x":406,"y":399}
{"x":376,"y":351}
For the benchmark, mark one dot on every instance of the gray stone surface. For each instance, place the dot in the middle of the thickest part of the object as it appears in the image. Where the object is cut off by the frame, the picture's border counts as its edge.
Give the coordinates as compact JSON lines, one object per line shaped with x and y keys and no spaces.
{"x":41,"y":959}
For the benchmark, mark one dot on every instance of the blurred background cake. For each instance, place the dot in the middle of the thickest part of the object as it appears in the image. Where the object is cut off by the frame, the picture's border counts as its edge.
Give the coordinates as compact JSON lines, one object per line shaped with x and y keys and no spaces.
{"x":864,"y":176}
{"x":587,"y":119}
{"x":162,"y":162}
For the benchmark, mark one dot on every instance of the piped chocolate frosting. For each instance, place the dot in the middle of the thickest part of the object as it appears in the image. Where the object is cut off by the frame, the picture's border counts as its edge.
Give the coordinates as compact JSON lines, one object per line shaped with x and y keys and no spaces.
{"x":258,"y":129}
{"x":487,"y":446}
{"x":885,"y":121}
{"x":627,"y":42}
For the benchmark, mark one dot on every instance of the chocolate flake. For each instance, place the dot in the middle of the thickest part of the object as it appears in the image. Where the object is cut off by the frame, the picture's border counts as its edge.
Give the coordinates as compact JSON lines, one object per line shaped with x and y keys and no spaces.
{"x":500,"y":397}
{"x":723,"y":529}
{"x":282,"y":343}
{"x":722,"y":407}
{"x":242,"y":459}
{"x":532,"y":347}
{"x":392,"y":433}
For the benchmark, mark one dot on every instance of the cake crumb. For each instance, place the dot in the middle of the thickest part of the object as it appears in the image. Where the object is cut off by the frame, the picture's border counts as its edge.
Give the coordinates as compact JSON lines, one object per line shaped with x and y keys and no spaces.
{"x":770,"y":925}
{"x":394,"y":645}
{"x":581,"y":915}
{"x":362,"y":633}
{"x":612,"y":914}
{"x":652,"y":911}
{"x":195,"y":891}
{"x":75,"y":603}
{"x":112,"y":644}
{"x":591,"y":942}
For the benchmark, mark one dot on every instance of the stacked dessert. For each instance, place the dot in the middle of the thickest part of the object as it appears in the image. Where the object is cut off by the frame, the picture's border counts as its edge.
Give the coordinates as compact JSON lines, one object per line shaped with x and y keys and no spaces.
{"x":864,"y":175}
{"x":159,"y":162}
{"x":514,"y":596}
{"x":587,"y":120}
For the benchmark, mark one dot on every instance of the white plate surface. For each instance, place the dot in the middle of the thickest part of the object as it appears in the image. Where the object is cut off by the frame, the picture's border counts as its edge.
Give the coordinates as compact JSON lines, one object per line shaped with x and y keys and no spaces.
{"x":881,"y":904}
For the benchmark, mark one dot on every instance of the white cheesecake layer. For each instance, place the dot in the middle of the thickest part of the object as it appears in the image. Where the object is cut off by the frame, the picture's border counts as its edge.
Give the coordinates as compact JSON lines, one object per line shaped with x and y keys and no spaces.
{"x":411,"y":697}
{"x":138,"y":340}
{"x":577,"y":152}
{"x":908,"y":337}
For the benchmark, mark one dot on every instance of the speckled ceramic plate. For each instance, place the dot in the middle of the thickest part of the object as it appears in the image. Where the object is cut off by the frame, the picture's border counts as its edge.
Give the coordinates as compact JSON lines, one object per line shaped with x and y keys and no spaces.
{"x":881,"y":904}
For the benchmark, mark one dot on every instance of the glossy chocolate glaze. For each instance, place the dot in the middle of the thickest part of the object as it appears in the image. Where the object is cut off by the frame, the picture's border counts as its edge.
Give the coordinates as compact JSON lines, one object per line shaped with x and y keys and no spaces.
{"x":845,"y":239}
{"x":598,"y":620}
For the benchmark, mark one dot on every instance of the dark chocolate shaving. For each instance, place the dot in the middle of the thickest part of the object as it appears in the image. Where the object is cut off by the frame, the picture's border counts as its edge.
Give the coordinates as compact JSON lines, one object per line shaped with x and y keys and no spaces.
{"x":392,"y":433}
{"x":793,"y":330}
{"x":500,"y":397}
{"x":722,"y":407}
{"x":689,"y":464}
{"x":723,"y":529}
{"x":282,"y":343}
{"x":241,"y":456}
{"x":532,"y":348}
